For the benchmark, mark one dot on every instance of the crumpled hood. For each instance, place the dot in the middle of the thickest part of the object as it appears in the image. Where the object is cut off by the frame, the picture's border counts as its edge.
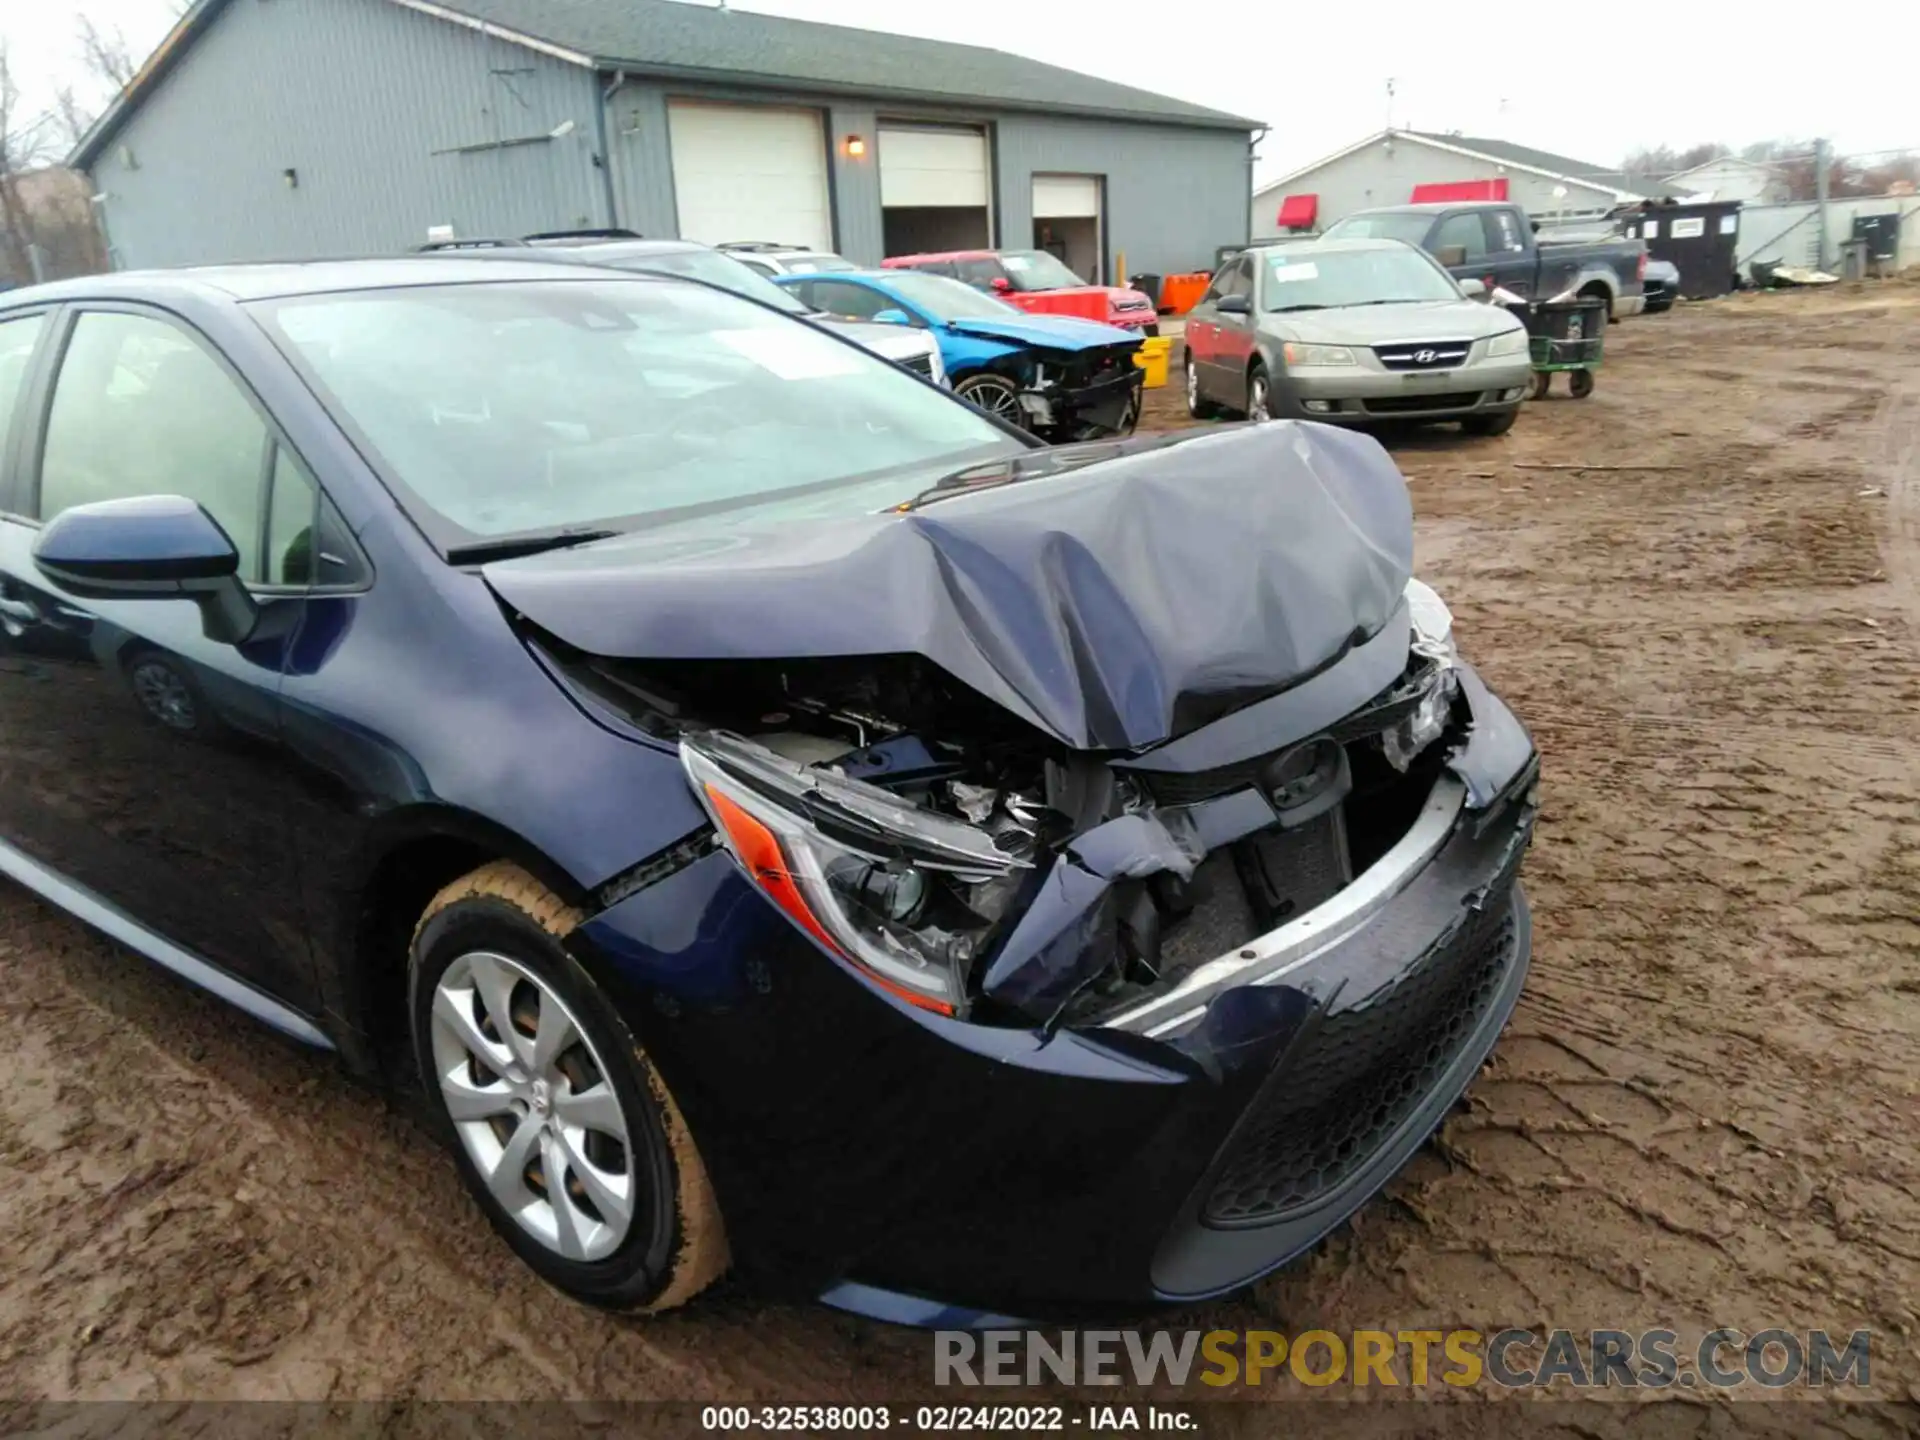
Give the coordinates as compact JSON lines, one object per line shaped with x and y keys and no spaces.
{"x":1113,"y":606}
{"x":1053,"y":332}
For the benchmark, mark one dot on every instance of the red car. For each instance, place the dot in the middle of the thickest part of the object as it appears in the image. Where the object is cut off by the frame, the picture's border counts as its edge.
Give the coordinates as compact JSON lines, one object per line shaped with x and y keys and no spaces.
{"x":1038,"y":283}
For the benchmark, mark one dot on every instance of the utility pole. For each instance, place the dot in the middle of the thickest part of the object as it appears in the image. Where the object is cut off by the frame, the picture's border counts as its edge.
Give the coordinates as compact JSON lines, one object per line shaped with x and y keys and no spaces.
{"x":1822,"y":163}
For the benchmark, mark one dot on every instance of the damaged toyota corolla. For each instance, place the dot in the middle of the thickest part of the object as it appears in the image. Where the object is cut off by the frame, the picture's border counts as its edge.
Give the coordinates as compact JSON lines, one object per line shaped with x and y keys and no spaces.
{"x":784,"y":817}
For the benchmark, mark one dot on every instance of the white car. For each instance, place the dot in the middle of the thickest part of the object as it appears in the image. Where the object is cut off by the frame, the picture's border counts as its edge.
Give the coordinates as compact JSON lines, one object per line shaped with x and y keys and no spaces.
{"x":770,"y":258}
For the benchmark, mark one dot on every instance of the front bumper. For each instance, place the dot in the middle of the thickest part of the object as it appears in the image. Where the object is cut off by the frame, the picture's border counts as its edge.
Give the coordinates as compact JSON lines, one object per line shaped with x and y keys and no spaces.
{"x":1358,"y":393}
{"x":1087,"y":411}
{"x":935,"y":1171}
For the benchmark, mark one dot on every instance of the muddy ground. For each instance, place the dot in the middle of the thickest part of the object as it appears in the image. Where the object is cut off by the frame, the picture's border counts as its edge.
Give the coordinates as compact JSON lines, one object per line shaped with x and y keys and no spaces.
{"x":1704,"y":1112}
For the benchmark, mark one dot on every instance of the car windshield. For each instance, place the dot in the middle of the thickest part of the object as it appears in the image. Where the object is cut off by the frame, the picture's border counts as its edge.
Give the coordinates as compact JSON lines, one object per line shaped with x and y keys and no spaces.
{"x":1408,"y":225}
{"x":526,"y":407}
{"x":945,"y":299}
{"x":1037,"y":270}
{"x":1329,"y":279}
{"x":714,"y":268}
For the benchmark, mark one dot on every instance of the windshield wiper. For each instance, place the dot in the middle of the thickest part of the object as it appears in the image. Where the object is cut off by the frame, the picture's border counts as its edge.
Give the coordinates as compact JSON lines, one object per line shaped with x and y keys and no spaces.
{"x":1405,"y":300}
{"x":1289,"y":309}
{"x":512,"y":547}
{"x":987,"y":475}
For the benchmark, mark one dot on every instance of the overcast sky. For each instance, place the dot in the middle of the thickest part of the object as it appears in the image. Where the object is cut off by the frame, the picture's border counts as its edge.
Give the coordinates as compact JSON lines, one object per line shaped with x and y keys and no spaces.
{"x":1317,"y":72}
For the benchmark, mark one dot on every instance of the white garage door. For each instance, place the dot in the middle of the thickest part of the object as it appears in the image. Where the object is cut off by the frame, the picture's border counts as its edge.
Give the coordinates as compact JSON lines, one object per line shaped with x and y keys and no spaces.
{"x":924,"y":166}
{"x":750,"y":172}
{"x":1066,"y":197}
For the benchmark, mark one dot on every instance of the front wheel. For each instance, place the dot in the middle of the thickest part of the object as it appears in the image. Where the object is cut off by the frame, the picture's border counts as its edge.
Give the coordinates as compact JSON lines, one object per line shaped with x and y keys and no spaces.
{"x":1259,"y":394}
{"x":563,"y":1131}
{"x":995,"y":394}
{"x":1541,"y":383}
{"x":1497,"y":422}
{"x":1580,"y":382}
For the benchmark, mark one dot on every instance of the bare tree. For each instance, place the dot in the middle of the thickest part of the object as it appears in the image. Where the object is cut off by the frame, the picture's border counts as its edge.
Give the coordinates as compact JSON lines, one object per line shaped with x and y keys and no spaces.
{"x":105,"y":54}
{"x":23,"y":145}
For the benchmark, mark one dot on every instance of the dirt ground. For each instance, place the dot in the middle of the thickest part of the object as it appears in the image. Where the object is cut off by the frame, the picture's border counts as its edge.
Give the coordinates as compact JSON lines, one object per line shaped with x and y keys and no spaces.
{"x":1704,"y":1113}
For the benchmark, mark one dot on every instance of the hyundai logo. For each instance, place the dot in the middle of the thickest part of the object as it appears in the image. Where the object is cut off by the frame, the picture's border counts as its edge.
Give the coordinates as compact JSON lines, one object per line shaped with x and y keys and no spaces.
{"x":1424,"y":357}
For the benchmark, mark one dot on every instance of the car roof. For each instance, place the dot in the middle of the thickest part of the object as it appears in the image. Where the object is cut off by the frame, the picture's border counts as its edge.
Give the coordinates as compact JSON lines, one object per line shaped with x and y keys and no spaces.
{"x":946,"y":255}
{"x":268,"y":280}
{"x":1333,"y":247}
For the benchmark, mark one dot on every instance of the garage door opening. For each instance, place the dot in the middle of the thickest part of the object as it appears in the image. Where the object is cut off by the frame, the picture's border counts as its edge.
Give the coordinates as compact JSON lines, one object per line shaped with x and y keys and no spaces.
{"x":934,"y":190}
{"x":749,"y":172}
{"x":1068,"y":223}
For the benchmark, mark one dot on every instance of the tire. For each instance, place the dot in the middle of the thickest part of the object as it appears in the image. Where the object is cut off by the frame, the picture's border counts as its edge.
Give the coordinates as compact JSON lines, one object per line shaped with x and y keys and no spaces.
{"x":1198,"y":406}
{"x":1580,"y":382}
{"x":995,"y":394}
{"x":489,"y":946}
{"x":1541,"y":383}
{"x":1259,"y":394}
{"x":1497,"y":422}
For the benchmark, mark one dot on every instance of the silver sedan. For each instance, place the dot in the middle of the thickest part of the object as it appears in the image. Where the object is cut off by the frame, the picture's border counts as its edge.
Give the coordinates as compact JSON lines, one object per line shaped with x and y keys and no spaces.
{"x":1352,"y":331}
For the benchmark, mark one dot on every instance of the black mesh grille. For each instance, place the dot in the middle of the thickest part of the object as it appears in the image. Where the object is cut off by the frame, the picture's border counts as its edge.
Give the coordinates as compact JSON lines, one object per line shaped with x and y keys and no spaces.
{"x":1364,"y":1072}
{"x":1397,"y":404}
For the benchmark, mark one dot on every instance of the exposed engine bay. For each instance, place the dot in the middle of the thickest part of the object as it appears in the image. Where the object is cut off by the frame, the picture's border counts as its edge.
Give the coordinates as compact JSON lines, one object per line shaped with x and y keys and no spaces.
{"x":976,"y":866}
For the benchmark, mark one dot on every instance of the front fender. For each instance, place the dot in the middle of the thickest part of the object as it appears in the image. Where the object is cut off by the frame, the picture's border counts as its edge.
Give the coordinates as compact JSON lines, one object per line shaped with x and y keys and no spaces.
{"x":963,"y":355}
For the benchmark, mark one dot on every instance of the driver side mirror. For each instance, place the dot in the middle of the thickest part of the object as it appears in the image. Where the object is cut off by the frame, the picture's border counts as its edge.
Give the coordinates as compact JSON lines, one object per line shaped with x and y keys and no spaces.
{"x":150,"y":547}
{"x":1451,"y":255}
{"x":1001,"y":285}
{"x":1233,"y":305}
{"x":1474,"y":289}
{"x":892,"y":316}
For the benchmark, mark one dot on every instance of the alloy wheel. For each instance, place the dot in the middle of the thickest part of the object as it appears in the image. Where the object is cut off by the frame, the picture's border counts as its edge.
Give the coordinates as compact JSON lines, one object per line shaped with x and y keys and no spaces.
{"x":993,"y":395}
{"x":1193,"y":390}
{"x":1257,"y":406}
{"x":531,"y":1102}
{"x":164,"y":693}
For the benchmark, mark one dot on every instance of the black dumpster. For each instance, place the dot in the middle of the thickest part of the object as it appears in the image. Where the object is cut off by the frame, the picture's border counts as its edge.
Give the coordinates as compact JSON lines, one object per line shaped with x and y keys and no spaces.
{"x":1148,"y":285}
{"x":1700,"y":239}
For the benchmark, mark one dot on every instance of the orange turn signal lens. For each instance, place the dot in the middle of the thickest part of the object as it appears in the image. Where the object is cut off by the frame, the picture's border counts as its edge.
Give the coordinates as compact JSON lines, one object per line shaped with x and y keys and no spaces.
{"x":759,"y":851}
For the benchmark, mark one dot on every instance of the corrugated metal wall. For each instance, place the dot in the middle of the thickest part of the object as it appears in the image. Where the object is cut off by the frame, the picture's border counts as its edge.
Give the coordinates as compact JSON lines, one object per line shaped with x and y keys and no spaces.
{"x":376,"y":108}
{"x":364,"y":101}
{"x":1173,"y":193}
{"x":1385,"y":174}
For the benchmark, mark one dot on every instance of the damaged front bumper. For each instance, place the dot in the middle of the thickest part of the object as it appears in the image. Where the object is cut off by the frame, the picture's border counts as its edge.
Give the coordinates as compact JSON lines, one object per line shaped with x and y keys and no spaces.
{"x":1161,"y":1144}
{"x":1067,"y":406}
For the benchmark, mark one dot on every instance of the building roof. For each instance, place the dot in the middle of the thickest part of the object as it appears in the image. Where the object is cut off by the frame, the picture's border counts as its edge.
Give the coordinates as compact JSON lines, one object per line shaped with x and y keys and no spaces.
{"x":689,"y":40}
{"x":1564,"y":167}
{"x":1721,"y":161}
{"x":1506,"y":153}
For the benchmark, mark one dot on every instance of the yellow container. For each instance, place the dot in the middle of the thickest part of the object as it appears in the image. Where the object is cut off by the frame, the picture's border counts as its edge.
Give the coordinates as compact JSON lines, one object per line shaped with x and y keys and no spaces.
{"x":1152,"y":358}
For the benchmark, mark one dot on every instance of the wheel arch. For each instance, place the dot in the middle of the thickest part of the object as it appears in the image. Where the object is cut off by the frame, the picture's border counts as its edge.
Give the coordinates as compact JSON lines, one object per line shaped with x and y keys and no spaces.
{"x":410,"y":857}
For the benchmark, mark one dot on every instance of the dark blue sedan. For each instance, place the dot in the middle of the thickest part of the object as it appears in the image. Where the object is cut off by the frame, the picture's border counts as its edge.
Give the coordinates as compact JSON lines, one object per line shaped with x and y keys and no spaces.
{"x":771,"y":812}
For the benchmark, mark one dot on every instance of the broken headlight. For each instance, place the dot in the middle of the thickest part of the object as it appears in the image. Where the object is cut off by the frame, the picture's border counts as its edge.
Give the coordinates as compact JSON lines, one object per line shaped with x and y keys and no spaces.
{"x":1432,"y":641}
{"x":894,"y":888}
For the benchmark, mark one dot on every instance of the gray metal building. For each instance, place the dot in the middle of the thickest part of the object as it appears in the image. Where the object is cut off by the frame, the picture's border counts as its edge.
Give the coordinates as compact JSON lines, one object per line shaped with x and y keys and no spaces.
{"x":297,"y":128}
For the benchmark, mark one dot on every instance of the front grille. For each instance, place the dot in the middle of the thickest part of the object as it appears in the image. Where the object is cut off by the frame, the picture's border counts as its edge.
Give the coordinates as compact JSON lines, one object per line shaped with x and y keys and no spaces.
{"x":1423,"y":354}
{"x":1382,"y":712}
{"x":920,"y":364}
{"x":1403,"y":404}
{"x":1363,"y":1072}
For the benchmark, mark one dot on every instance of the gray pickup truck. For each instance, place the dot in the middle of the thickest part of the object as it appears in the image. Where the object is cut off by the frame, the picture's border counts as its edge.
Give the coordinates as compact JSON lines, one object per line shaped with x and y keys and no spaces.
{"x":1494,"y":243}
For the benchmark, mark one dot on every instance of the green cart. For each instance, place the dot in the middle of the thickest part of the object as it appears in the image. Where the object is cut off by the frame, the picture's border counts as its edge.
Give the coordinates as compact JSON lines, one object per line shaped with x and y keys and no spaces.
{"x":1565,"y":335}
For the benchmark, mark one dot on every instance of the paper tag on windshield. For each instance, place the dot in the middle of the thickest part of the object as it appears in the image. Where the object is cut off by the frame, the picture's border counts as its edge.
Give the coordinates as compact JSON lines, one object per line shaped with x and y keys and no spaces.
{"x":1305,"y":270}
{"x":1016,"y":263}
{"x":792,"y":354}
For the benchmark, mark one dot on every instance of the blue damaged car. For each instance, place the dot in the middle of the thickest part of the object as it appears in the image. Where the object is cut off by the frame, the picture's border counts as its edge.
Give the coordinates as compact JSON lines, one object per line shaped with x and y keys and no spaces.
{"x":1061,"y":377}
{"x":771,"y":814}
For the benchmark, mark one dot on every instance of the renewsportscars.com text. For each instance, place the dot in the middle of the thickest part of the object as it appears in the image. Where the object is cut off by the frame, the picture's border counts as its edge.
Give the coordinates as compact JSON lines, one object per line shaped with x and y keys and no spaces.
{"x":1648,"y":1359}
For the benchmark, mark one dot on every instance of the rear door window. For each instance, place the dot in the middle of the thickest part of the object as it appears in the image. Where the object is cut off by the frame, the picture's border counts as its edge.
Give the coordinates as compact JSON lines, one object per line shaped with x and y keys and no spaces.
{"x":854,"y":302}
